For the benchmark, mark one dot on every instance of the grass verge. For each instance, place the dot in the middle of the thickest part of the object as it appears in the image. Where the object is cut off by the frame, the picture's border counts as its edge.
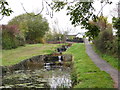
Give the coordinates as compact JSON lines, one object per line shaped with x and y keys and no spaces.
{"x":85,"y":73}
{"x":109,"y":58}
{"x":13,"y":56}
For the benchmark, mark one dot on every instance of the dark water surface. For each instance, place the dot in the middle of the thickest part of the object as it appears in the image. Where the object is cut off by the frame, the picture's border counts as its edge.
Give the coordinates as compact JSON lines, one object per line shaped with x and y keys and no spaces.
{"x":57,"y":75}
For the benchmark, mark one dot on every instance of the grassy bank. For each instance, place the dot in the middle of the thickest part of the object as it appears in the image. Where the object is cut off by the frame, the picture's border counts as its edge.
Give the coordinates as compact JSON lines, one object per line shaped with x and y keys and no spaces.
{"x":86,"y":74}
{"x":13,"y":56}
{"x":109,"y":58}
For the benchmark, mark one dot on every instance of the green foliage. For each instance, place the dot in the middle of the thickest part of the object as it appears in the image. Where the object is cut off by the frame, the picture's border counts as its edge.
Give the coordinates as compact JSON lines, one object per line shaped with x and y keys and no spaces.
{"x":20,"y":39}
{"x":103,"y":39}
{"x":86,"y":74}
{"x":106,"y":43}
{"x":55,"y":36}
{"x":49,"y":36}
{"x":8,"y":40}
{"x":92,"y":32}
{"x":33,"y":27}
{"x":11,"y":37}
{"x":116,"y":25}
{"x":3,"y":8}
{"x":94,"y":27}
{"x":59,"y":5}
{"x":102,"y":22}
{"x":36,"y":29}
{"x":80,"y":12}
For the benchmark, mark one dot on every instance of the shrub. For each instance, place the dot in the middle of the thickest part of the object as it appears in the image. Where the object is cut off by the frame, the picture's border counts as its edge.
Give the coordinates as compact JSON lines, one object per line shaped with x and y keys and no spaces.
{"x":115,"y":46}
{"x":20,"y":40}
{"x":40,"y":40}
{"x":8,"y":40}
{"x":11,"y":37}
{"x":116,"y":25}
{"x":104,"y":40}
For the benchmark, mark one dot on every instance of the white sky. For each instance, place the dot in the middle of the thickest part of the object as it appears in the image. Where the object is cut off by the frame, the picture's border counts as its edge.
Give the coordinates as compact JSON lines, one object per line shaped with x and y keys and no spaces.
{"x":63,"y":20}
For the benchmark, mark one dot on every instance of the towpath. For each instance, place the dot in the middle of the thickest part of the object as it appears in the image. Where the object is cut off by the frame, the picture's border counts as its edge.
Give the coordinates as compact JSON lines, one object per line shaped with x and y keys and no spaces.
{"x":102,"y":64}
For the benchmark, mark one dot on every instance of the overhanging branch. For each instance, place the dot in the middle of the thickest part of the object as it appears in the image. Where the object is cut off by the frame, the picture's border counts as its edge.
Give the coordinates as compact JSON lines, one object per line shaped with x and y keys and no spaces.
{"x":48,"y":12}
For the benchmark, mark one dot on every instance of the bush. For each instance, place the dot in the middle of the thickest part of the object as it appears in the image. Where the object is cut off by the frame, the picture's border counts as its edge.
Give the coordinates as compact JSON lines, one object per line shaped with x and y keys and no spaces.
{"x":116,"y":25}
{"x":11,"y":37}
{"x":20,"y":40}
{"x":40,"y":40}
{"x":8,"y":41}
{"x":32,"y":27}
{"x":104,"y":40}
{"x":106,"y":43}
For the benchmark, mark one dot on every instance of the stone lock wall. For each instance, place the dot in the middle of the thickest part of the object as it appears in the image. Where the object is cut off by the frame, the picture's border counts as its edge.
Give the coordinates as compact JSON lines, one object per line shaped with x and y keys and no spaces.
{"x":34,"y":63}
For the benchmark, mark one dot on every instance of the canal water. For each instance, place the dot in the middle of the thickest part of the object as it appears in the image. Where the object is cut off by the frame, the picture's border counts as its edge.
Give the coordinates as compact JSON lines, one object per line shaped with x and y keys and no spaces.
{"x":53,"y":74}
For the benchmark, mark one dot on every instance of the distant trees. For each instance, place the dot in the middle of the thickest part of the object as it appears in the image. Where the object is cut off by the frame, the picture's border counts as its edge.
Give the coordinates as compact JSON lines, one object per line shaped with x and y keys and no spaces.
{"x":24,"y":29}
{"x":33,"y":27}
{"x":55,"y":37}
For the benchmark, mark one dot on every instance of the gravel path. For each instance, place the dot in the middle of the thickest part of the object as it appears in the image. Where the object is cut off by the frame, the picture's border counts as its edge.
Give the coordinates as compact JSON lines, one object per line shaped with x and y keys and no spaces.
{"x":102,"y":64}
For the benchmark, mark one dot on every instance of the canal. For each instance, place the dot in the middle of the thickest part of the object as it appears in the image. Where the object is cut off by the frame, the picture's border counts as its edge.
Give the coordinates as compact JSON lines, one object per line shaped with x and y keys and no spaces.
{"x":43,"y":71}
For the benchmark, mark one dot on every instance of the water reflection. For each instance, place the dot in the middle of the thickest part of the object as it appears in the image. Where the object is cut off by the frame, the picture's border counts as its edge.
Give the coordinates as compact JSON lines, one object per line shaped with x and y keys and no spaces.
{"x":43,"y":71}
{"x":59,"y":58}
{"x":60,"y":78}
{"x":50,"y":76}
{"x":61,"y":81}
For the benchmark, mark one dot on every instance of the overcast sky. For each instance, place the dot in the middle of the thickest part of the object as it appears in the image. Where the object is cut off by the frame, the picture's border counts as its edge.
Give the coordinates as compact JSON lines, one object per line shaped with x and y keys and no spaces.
{"x":60,"y":17}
